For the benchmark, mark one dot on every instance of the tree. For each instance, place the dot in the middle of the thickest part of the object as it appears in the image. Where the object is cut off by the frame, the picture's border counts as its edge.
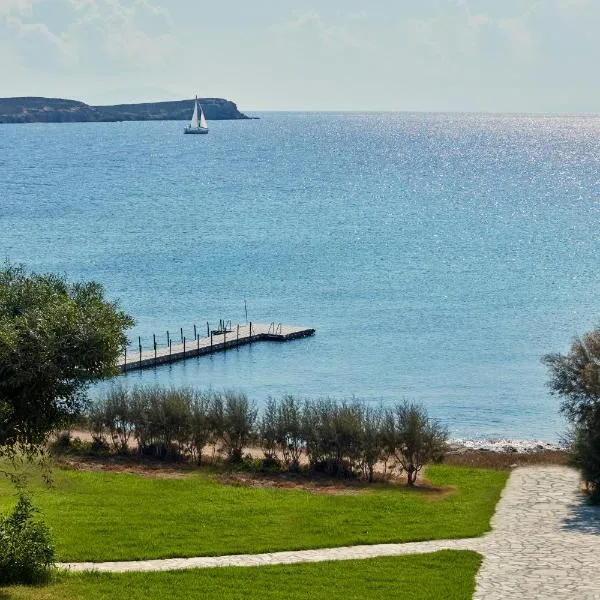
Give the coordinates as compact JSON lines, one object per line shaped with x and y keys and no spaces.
{"x":371,"y":441}
{"x":575,"y":377}
{"x":55,"y":338}
{"x":239,"y":418}
{"x":413,"y":438}
{"x":26,"y":549}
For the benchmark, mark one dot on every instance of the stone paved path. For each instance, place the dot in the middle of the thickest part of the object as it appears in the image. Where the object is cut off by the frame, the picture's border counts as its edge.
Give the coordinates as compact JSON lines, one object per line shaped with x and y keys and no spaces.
{"x":544,"y":543}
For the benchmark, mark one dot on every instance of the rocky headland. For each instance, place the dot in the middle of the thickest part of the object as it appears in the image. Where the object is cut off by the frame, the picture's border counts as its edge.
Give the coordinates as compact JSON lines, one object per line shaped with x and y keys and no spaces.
{"x":58,"y":110}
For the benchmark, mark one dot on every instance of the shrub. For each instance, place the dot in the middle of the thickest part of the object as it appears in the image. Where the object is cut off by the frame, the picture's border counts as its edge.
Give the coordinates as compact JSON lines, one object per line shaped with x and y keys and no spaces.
{"x":200,"y":425}
{"x":371,"y":440}
{"x":585,"y":454}
{"x":26,"y":551}
{"x":116,"y":413}
{"x":95,"y":422}
{"x":413,"y":438}
{"x":576,"y":378}
{"x":290,"y":437}
{"x":332,"y":434}
{"x":268,"y":429}
{"x":62,"y":443}
{"x":239,"y":418}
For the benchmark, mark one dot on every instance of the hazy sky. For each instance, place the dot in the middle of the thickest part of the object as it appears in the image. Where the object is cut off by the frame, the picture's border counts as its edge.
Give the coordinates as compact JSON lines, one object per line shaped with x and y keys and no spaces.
{"x":441,"y":55}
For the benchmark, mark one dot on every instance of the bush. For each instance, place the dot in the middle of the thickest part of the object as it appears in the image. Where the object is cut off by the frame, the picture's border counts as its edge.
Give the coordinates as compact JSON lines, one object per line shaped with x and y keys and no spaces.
{"x":63,"y":443}
{"x":117,"y":418}
{"x":413,"y":439}
{"x":290,"y":437}
{"x":332,"y":432}
{"x":26,"y":551}
{"x":575,"y":377}
{"x":339,"y":438}
{"x":371,"y":440}
{"x":239,"y":418}
{"x":585,"y":455}
{"x":200,"y":426}
{"x":268,"y":429}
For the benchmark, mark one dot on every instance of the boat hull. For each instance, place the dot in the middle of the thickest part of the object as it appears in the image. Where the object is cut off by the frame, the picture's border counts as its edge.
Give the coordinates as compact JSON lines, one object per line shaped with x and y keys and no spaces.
{"x":195,"y":131}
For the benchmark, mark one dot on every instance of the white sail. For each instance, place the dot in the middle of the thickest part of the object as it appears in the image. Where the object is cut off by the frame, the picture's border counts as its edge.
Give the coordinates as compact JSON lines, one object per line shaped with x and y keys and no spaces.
{"x":202,"y":120}
{"x":194,"y":122}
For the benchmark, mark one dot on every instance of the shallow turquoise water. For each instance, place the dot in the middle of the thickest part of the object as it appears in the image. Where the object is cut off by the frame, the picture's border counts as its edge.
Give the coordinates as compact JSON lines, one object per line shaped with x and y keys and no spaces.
{"x":438,"y":256}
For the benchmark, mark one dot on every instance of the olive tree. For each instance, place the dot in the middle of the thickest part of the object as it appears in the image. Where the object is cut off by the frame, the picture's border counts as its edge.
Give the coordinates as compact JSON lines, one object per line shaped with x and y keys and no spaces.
{"x":55,"y":338}
{"x":575,"y":377}
{"x":413,"y":438}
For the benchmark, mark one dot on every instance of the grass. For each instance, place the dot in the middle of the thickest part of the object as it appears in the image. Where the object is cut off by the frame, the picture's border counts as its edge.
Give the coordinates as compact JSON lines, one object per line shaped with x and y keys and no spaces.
{"x":102,"y":516}
{"x":446,"y":574}
{"x":506,"y":460}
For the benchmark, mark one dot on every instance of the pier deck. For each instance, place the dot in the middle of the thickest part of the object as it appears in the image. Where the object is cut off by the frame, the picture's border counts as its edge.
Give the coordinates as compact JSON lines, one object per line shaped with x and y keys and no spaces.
{"x":237,"y":335}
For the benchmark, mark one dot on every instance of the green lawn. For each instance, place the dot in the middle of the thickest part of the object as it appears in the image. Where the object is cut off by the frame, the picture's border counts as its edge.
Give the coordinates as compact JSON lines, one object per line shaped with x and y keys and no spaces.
{"x":448,"y":574}
{"x":98,"y":516}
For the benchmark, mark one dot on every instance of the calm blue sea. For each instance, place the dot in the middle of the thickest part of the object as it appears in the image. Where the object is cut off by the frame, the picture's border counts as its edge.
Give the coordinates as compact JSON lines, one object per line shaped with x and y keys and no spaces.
{"x":437,"y":255}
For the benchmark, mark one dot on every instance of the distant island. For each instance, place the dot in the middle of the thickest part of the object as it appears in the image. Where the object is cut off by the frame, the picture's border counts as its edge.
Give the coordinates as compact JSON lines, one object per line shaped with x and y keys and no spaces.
{"x":58,"y":110}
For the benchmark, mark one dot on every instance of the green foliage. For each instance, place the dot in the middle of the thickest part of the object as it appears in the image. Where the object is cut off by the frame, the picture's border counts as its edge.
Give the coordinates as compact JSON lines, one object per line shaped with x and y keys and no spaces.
{"x":339,"y":438}
{"x":116,"y":415}
{"x":413,"y":438}
{"x":290,"y":438}
{"x":332,"y":432}
{"x":26,"y":551}
{"x":448,"y":575}
{"x":576,"y":378}
{"x":100,"y":515}
{"x":585,"y":454}
{"x":55,"y":338}
{"x":239,"y":419}
{"x":269,"y":429}
{"x":200,"y":425}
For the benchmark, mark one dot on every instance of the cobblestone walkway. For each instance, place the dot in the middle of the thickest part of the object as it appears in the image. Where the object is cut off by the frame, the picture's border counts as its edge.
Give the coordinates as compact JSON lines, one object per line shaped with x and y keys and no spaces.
{"x":544,"y":543}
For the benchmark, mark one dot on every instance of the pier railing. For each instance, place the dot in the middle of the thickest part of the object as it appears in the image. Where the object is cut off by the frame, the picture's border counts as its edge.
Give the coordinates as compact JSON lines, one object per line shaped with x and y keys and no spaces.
{"x":225,"y":336}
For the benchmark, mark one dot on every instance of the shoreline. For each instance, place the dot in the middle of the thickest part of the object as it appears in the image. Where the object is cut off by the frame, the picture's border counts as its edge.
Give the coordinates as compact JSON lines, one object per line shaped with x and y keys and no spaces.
{"x":504,"y":445}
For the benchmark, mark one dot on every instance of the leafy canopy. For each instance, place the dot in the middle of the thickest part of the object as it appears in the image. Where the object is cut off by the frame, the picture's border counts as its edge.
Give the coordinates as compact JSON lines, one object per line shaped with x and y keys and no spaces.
{"x":575,"y":377}
{"x":55,"y":338}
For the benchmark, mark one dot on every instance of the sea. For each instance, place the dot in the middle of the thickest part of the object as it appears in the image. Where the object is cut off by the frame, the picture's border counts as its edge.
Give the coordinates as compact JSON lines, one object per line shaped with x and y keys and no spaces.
{"x":438,"y":256}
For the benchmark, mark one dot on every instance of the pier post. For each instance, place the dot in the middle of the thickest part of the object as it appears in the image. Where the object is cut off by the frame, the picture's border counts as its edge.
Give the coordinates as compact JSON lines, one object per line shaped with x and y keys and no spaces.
{"x":250,"y":331}
{"x":207,"y":329}
{"x":195,"y":334}
{"x":211,"y":340}
{"x":184,"y":345}
{"x":181,"y":332}
{"x":154,"y":339}
{"x":168,"y":338}
{"x":140,"y":346}
{"x":170,"y":350}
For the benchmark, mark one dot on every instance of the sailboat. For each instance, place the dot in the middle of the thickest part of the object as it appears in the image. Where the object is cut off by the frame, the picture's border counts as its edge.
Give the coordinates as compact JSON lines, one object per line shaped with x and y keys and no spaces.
{"x":197,"y":125}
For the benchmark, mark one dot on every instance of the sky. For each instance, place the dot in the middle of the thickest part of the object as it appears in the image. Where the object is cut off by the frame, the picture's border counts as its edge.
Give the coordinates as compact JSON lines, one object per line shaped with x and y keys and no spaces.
{"x":539,"y":56}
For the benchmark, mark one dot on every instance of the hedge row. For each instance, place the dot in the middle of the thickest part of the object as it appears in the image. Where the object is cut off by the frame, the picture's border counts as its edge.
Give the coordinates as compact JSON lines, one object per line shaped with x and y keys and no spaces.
{"x":347,"y":438}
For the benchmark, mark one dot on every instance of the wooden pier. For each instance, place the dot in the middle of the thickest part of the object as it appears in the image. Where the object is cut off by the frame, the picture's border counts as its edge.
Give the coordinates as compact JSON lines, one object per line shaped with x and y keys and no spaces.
{"x":218,"y":341}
